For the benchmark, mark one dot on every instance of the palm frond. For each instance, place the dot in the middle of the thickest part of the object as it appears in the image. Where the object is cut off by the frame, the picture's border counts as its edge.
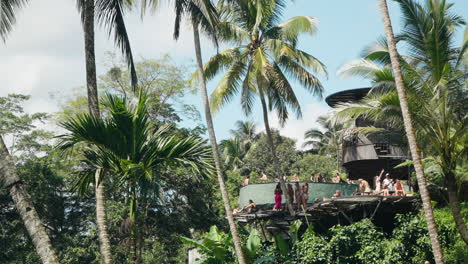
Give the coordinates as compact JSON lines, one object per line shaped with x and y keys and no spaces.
{"x":248,"y":90}
{"x":110,"y":14}
{"x":228,"y":86}
{"x":292,"y":28}
{"x":8,"y":12}
{"x":364,"y":68}
{"x":220,"y":62}
{"x":299,"y":73}
{"x":231,"y":32}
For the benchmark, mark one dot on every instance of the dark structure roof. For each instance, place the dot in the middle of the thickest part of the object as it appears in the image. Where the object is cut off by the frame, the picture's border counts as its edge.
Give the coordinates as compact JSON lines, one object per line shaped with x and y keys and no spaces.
{"x":346,"y":96}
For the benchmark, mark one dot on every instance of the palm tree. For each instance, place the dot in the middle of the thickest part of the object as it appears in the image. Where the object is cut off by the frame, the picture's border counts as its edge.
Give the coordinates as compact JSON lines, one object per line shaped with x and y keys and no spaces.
{"x":8,"y":175}
{"x":267,"y":54}
{"x":246,"y":133}
{"x":214,"y":146}
{"x":23,"y":203}
{"x":233,"y":152}
{"x":203,"y":15}
{"x":434,"y":87}
{"x":110,"y":14}
{"x":328,"y":142}
{"x":408,"y":124}
{"x":128,"y":147}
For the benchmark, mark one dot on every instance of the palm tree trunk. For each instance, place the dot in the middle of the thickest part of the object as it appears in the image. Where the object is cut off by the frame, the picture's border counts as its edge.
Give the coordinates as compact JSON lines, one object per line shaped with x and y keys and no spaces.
{"x":93,"y":105}
{"x":426,"y":200}
{"x":133,"y":226}
{"x":271,"y":142}
{"x":454,"y":203}
{"x":25,"y":207}
{"x":214,"y":147}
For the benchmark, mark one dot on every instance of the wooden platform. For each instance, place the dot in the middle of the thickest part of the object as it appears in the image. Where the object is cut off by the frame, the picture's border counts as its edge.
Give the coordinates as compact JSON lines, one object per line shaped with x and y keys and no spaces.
{"x":366,"y":205}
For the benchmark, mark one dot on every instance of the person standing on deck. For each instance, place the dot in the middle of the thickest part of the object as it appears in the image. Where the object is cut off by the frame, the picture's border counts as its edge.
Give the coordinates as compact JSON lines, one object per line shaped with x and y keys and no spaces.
{"x":290,"y":193}
{"x":320,"y":178}
{"x":378,"y":183}
{"x":298,"y":195}
{"x":278,"y":194}
{"x":399,"y":190}
{"x":305,"y":195}
{"x":336,"y":178}
{"x":385,"y":184}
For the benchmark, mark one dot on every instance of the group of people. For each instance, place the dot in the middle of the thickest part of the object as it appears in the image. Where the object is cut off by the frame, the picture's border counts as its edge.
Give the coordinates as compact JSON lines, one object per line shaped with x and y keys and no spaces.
{"x":385,"y":186}
{"x":299,"y":196}
{"x":314,"y":178}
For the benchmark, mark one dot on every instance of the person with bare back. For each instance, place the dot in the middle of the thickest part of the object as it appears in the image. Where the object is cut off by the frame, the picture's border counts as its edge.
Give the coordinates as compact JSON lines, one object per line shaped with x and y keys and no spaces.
{"x":298,"y":195}
{"x":305,"y":194}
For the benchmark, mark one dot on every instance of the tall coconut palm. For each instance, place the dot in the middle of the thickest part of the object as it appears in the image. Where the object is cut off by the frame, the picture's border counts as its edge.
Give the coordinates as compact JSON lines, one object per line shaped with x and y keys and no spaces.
{"x":260,"y":65}
{"x":327,"y":142}
{"x":233,"y":153}
{"x":408,"y":124}
{"x":434,"y":73}
{"x":203,"y":15}
{"x":128,"y":147}
{"x":214,"y":145}
{"x":246,"y":133}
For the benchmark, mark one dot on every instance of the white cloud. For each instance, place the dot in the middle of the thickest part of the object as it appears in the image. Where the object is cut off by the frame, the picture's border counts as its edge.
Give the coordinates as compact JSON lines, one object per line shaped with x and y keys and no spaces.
{"x":44,"y":54}
{"x":295,"y":128}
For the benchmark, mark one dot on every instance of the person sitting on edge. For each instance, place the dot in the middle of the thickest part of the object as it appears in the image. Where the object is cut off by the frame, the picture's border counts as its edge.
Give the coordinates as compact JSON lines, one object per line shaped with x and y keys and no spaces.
{"x":399,"y":190}
{"x":278,"y":193}
{"x":320,"y":178}
{"x":295,"y":178}
{"x":264,"y":178}
{"x":364,"y":187}
{"x":290,"y":193}
{"x":312,"y":177}
{"x":298,"y":194}
{"x":237,"y":210}
{"x":337,"y":194}
{"x":336,"y":178}
{"x":246,"y":181}
{"x":250,"y":207}
{"x":385,"y":184}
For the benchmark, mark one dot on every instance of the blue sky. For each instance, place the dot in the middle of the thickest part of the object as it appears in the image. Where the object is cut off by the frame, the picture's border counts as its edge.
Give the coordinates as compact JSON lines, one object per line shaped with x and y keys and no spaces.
{"x":345,"y":28}
{"x":44,"y":55}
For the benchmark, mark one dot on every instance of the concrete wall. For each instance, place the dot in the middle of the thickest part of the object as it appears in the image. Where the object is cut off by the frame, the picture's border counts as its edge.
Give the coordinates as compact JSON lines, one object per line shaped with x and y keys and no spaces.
{"x":263,"y":193}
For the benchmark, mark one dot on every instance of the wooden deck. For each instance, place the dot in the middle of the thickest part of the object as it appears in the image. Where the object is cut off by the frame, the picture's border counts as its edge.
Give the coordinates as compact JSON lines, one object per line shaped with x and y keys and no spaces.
{"x":366,"y":205}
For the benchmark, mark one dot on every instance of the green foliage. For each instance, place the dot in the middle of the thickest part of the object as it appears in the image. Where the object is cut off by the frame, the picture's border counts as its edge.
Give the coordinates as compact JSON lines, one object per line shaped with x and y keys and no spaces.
{"x":312,"y":164}
{"x":165,"y":82}
{"x":265,"y":58}
{"x":215,"y":246}
{"x":259,"y":158}
{"x":20,"y":128}
{"x":327,"y":143}
{"x":362,"y":242}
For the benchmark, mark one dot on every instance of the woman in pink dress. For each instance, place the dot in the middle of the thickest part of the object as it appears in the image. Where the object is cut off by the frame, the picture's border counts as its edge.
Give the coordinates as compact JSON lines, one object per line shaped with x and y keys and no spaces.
{"x":278,"y":194}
